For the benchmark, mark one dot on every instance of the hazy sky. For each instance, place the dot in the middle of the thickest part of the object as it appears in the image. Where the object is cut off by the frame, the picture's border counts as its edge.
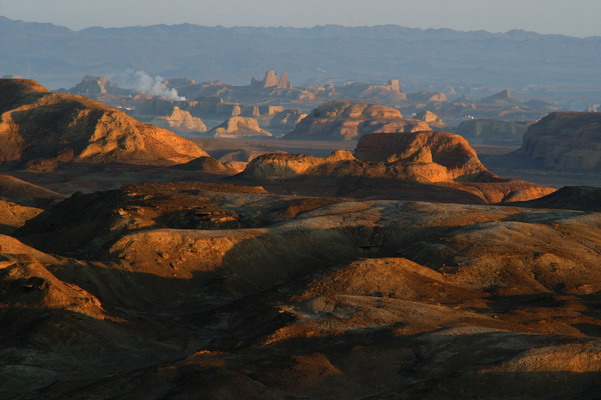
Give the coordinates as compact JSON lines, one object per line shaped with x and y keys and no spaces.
{"x":569,"y":17}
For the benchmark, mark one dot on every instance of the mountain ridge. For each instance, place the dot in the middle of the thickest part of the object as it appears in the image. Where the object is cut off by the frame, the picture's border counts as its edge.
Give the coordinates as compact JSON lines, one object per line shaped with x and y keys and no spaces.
{"x":374,"y":53}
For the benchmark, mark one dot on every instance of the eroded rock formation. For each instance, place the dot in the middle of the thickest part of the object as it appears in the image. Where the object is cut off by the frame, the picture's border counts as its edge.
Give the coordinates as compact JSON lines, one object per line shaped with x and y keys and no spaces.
{"x":237,"y":127}
{"x":438,"y":166}
{"x":40,"y":129}
{"x":175,"y":289}
{"x":345,"y":120}
{"x":180,"y":121}
{"x":566,"y":141}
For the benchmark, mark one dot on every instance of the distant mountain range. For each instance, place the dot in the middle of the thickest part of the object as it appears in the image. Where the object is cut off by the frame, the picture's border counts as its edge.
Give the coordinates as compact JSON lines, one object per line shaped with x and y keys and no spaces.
{"x":60,"y":57}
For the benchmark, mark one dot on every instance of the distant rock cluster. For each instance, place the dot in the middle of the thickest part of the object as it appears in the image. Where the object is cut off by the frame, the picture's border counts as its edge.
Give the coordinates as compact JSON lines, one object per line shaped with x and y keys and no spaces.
{"x":271,"y":80}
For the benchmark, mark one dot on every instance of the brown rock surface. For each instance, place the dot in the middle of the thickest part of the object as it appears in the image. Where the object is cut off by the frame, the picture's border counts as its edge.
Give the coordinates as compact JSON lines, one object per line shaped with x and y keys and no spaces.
{"x":431,"y":166}
{"x":446,"y":149}
{"x":566,"y":141}
{"x":432,"y":119}
{"x":179,"y":289}
{"x":492,"y":131}
{"x":286,"y":120}
{"x":284,"y":83}
{"x":180,"y":121}
{"x":41,"y":129}
{"x":237,"y":127}
{"x":345,"y":120}
{"x":429,"y":97}
{"x":15,"y":189}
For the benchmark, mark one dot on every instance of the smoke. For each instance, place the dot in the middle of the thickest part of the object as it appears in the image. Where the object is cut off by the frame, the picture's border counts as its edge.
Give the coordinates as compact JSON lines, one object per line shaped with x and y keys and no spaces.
{"x":143,"y":82}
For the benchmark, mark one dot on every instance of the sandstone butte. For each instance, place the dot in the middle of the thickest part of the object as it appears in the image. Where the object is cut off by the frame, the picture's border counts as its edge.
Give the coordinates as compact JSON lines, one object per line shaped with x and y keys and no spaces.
{"x":181,"y":121}
{"x":345,"y":120}
{"x":443,"y":164}
{"x":40,"y":129}
{"x":565,"y":141}
{"x":237,"y":127}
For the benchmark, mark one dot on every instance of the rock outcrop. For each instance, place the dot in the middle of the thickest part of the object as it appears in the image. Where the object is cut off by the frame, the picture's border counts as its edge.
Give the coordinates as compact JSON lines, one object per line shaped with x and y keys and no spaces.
{"x":180,"y":121}
{"x":435,"y":166}
{"x":271,"y":81}
{"x":367,"y":92}
{"x":286,"y":120}
{"x":566,"y":141}
{"x":237,"y":127}
{"x":345,"y":120}
{"x":96,"y":85}
{"x":284,"y":83}
{"x":492,"y":130}
{"x":503,"y":97}
{"x":442,"y":148}
{"x":428,"y":97}
{"x":40,"y":129}
{"x":431,"y":119}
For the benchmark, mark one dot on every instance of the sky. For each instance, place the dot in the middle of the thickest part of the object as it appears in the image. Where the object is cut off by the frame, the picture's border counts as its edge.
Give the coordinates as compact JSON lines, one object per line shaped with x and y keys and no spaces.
{"x":568,"y":17}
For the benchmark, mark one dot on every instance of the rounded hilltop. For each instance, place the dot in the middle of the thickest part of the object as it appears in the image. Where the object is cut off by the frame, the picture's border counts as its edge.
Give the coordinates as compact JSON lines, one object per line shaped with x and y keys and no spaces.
{"x":41,"y":129}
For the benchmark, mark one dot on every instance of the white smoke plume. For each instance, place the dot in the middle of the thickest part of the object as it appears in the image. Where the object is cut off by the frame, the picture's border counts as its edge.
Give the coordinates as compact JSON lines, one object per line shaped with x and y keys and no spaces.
{"x":143,"y":82}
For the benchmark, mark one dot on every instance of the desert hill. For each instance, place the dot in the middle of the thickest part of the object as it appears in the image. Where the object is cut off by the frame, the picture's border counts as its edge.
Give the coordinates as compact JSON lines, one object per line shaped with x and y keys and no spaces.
{"x":174,"y":289}
{"x":345,"y":120}
{"x":40,"y":129}
{"x":430,"y":166}
{"x":565,"y":141}
{"x":15,"y":189}
{"x":585,"y":198}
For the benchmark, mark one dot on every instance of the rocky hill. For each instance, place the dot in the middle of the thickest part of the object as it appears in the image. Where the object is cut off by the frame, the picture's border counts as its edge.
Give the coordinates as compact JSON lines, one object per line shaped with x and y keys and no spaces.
{"x":566,"y":141}
{"x":174,"y":289}
{"x":585,"y":198}
{"x":345,"y":120}
{"x":239,"y":127}
{"x":40,"y":129}
{"x":434,"y":166}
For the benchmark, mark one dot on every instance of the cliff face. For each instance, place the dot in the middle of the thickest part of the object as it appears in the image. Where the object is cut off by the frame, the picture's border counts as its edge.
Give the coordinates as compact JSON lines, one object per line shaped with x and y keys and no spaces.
{"x":566,"y":141}
{"x":345,"y":120}
{"x":490,"y":130}
{"x":39,"y":129}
